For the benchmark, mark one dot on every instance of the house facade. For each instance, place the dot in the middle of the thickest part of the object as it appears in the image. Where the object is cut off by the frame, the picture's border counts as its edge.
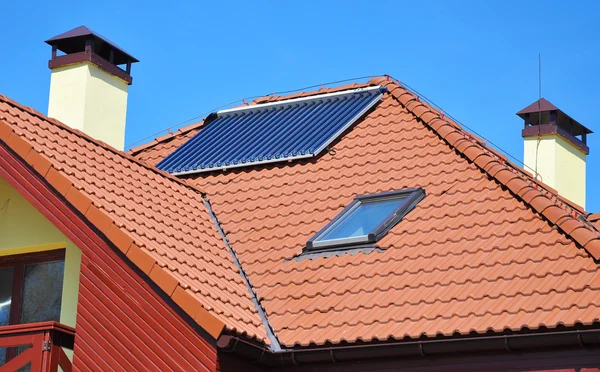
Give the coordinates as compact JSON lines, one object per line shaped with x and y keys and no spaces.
{"x":354,"y":227}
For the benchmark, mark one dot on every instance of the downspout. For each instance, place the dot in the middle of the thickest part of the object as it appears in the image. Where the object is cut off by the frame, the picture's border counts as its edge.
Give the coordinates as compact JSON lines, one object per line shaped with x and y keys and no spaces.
{"x":275,"y":345}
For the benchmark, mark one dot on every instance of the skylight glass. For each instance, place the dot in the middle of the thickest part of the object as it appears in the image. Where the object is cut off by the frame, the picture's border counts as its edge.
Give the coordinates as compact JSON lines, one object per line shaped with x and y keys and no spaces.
{"x":367,"y":219}
{"x":362,"y":219}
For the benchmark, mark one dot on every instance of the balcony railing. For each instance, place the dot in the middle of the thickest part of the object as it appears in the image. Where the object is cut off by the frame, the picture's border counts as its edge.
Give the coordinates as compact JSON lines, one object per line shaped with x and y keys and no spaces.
{"x":37,"y":345}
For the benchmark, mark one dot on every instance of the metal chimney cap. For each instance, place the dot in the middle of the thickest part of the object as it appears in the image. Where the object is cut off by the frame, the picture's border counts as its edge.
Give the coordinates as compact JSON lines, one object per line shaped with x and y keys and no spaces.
{"x":74,"y":41}
{"x":558,"y":117}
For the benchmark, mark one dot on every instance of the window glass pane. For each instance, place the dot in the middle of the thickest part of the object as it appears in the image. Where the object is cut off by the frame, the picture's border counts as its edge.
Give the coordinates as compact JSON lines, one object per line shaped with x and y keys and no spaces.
{"x":362,"y":219}
{"x":42,"y":292}
{"x":6,"y":284}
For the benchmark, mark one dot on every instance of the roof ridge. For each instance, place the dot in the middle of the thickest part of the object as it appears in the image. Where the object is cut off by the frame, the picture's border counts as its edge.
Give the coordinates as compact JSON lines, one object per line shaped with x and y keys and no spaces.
{"x":274,"y":98}
{"x":97,"y":142}
{"x":540,"y":197}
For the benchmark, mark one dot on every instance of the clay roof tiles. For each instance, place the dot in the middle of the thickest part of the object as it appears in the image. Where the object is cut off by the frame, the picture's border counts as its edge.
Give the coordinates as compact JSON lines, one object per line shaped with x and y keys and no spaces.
{"x":488,"y":249}
{"x":158,"y":221}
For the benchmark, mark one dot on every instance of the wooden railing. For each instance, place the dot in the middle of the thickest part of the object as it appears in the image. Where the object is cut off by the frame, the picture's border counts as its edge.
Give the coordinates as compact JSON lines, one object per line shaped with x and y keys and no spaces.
{"x":44,"y":344}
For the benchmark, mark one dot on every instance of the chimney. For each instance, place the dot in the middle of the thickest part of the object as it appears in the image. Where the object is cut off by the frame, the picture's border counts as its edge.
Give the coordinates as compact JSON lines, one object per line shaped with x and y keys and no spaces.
{"x":88,"y":88}
{"x":556,"y":145}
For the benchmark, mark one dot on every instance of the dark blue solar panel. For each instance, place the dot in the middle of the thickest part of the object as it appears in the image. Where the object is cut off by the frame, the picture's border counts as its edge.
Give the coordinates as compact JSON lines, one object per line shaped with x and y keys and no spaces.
{"x":271,"y":132}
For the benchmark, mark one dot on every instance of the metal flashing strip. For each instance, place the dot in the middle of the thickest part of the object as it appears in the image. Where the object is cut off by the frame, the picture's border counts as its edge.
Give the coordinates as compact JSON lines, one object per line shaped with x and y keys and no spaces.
{"x":242,"y":165}
{"x":275,"y":345}
{"x":272,"y":132}
{"x":326,"y":253}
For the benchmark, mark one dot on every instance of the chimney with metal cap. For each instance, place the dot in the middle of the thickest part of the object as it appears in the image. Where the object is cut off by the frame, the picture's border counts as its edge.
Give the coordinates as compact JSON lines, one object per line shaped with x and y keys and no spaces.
{"x":89,"y":84}
{"x":556,"y":148}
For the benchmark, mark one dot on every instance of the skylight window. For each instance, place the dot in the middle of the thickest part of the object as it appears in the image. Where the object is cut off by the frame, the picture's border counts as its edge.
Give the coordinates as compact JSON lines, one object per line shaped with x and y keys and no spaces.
{"x":366,"y":220}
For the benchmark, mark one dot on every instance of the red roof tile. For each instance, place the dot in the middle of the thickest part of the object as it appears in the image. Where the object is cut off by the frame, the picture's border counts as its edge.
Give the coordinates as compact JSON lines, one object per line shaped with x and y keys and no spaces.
{"x":158,"y":221}
{"x":486,"y":250}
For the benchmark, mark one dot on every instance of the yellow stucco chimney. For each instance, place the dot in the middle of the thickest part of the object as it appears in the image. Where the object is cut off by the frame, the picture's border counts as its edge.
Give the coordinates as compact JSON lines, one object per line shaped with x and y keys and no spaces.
{"x":556,"y":146}
{"x":88,"y":89}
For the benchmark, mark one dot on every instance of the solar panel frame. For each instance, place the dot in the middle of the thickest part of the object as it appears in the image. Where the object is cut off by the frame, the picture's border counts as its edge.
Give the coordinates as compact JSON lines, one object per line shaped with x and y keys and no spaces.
{"x":250,"y":141}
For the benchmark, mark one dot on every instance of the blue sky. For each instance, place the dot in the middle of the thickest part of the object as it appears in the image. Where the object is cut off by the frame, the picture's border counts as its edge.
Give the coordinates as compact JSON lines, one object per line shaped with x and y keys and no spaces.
{"x":475,"y":59}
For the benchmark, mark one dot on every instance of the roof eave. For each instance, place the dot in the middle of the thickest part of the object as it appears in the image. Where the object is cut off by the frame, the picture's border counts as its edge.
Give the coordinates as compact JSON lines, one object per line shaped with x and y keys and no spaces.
{"x":505,"y":343}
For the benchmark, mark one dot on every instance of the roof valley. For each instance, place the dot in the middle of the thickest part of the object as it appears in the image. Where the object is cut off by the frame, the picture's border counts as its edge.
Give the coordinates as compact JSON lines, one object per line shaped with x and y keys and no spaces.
{"x":274,"y":341}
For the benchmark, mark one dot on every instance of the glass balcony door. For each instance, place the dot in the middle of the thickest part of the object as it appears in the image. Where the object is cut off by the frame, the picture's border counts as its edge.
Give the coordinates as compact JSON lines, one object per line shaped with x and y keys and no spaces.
{"x":30,"y":291}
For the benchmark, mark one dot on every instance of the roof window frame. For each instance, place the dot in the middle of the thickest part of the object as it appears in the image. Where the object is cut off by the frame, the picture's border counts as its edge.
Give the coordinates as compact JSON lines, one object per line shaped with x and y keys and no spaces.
{"x":413,"y":197}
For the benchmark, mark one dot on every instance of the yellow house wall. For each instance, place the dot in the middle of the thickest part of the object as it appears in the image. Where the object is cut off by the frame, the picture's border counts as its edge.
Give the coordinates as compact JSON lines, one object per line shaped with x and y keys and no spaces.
{"x":24,"y":230}
{"x":560,"y":165}
{"x":88,"y":98}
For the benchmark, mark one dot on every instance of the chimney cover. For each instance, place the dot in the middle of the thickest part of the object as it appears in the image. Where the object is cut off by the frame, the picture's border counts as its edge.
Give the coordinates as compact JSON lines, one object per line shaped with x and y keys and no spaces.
{"x":82,"y":45}
{"x":544,"y":105}
{"x":75,"y":40}
{"x":542,"y":117}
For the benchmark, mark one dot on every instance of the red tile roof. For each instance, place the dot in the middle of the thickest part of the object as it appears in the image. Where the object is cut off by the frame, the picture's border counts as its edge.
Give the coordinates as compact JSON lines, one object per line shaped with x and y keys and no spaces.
{"x":486,"y":250}
{"x":158,"y":221}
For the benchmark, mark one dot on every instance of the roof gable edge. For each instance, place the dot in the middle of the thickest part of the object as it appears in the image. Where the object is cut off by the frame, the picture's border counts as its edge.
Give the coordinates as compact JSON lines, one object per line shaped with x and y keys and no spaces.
{"x":16,"y":152}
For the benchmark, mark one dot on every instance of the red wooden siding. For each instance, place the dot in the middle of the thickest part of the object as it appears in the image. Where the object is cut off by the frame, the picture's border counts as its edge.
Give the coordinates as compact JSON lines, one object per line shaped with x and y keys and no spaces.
{"x":122,"y":323}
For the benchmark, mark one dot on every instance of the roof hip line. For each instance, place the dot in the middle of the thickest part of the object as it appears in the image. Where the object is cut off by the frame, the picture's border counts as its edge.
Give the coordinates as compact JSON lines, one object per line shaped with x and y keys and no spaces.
{"x":570,"y":218}
{"x":275,"y":345}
